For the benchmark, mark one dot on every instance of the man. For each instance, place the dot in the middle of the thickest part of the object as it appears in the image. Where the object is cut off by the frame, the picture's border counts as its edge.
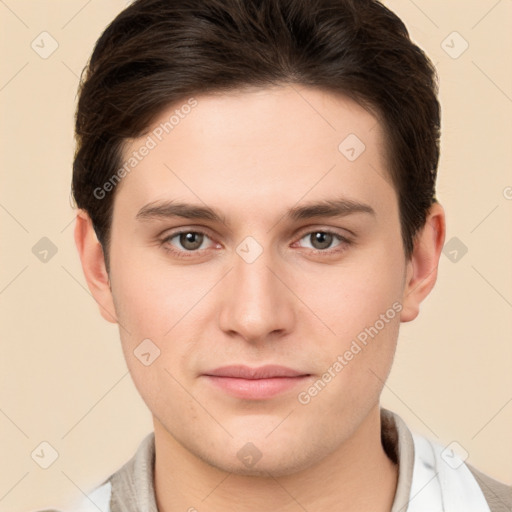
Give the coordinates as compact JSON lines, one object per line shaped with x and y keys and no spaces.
{"x":256,"y":190}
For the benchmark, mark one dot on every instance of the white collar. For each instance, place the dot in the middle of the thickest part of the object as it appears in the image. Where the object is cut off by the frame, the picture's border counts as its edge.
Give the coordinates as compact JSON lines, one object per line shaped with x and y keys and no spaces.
{"x":442,"y":482}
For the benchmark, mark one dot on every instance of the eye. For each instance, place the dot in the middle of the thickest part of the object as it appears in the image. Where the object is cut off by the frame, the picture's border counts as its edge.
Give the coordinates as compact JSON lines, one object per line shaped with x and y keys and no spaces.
{"x":186,"y":242}
{"x":321,"y":241}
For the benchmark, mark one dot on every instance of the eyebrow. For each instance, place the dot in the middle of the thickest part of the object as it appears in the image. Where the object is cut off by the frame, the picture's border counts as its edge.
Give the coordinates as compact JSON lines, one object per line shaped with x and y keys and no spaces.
{"x":324,"y":208}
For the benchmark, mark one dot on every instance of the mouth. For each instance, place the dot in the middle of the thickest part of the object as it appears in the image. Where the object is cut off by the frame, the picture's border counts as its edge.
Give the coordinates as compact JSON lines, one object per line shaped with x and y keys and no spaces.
{"x":255,"y":383}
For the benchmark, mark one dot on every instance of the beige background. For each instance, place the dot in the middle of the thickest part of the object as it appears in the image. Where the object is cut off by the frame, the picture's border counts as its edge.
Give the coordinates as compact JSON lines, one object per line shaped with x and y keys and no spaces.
{"x":63,"y":376}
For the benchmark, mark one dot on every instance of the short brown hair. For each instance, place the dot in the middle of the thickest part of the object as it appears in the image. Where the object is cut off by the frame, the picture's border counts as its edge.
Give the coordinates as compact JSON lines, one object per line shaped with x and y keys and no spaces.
{"x":158,"y":52}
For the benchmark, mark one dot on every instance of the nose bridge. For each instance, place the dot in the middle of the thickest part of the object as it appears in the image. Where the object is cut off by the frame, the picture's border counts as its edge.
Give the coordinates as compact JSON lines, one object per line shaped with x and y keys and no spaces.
{"x":252,"y":274}
{"x":258,"y":303}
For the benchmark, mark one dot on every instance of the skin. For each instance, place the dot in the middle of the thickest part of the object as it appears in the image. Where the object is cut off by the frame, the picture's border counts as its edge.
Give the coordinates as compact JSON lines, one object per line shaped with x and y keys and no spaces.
{"x":253,"y":155}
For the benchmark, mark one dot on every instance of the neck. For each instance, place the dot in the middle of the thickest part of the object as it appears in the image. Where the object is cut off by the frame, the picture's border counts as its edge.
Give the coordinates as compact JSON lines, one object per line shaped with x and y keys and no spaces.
{"x":356,"y":476}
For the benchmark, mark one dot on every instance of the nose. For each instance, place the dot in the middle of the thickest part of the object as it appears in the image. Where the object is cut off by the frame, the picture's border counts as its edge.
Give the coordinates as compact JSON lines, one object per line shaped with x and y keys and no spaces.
{"x":256,"y":303}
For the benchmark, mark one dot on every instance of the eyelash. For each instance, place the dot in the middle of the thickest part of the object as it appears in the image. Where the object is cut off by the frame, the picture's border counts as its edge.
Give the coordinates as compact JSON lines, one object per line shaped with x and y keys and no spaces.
{"x":344,"y":243}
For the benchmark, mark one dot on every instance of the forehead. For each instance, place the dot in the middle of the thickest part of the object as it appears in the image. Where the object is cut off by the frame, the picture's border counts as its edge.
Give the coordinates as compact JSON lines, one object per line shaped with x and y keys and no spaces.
{"x":247,"y":149}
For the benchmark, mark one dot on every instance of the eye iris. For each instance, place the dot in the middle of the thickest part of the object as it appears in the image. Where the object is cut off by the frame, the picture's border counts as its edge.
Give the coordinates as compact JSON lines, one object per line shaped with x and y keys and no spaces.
{"x":191,"y":241}
{"x":324,"y":239}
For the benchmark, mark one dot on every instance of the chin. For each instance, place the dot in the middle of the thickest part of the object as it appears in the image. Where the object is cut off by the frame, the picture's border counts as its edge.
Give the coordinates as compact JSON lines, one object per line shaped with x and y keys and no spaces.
{"x":262,"y":469}
{"x":265,"y":459}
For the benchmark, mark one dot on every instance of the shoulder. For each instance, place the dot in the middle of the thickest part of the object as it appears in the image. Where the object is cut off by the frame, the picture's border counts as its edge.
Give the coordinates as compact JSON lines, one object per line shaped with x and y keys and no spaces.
{"x":459,"y":483}
{"x":131,"y":483}
{"x":98,"y":500}
{"x":497,"y":494}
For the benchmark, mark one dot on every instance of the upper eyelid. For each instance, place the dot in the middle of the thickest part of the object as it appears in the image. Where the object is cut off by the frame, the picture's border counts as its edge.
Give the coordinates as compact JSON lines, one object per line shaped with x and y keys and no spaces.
{"x":333,"y":231}
{"x":180,"y":231}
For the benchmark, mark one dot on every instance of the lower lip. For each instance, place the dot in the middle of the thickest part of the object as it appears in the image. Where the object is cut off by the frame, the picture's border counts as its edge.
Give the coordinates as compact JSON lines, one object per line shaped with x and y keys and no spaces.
{"x":256,"y":389}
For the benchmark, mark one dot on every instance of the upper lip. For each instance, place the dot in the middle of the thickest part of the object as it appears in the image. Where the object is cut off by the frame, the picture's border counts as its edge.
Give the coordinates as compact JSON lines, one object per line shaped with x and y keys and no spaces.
{"x":262,"y":372}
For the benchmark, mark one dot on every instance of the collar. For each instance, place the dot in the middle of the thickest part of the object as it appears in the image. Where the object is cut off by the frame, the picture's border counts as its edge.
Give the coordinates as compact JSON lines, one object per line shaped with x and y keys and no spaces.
{"x":431,"y":477}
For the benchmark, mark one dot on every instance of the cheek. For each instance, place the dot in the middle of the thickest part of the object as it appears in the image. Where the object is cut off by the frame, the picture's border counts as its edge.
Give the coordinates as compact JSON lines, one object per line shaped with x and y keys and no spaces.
{"x":151,"y":296}
{"x":356,"y":363}
{"x":355,"y":295}
{"x":361,"y":305}
{"x":161,"y":303}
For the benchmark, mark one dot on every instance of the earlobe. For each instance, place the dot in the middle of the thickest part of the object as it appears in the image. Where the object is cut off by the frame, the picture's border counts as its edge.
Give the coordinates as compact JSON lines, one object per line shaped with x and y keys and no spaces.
{"x":422,"y":267}
{"x":93,"y":265}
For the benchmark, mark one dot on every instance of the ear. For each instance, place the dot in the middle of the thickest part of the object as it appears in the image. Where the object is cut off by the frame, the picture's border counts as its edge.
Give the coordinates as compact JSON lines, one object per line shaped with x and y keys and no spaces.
{"x":93,"y":265}
{"x":421,"y":271}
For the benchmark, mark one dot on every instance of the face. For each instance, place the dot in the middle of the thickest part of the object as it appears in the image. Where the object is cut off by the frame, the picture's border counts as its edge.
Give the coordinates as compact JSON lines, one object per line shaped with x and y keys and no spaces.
{"x":262,"y":278}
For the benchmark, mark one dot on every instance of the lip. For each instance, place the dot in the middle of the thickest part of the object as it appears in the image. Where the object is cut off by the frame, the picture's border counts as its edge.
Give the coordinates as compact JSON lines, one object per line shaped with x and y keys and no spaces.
{"x":255,"y":383}
{"x":268,"y":371}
